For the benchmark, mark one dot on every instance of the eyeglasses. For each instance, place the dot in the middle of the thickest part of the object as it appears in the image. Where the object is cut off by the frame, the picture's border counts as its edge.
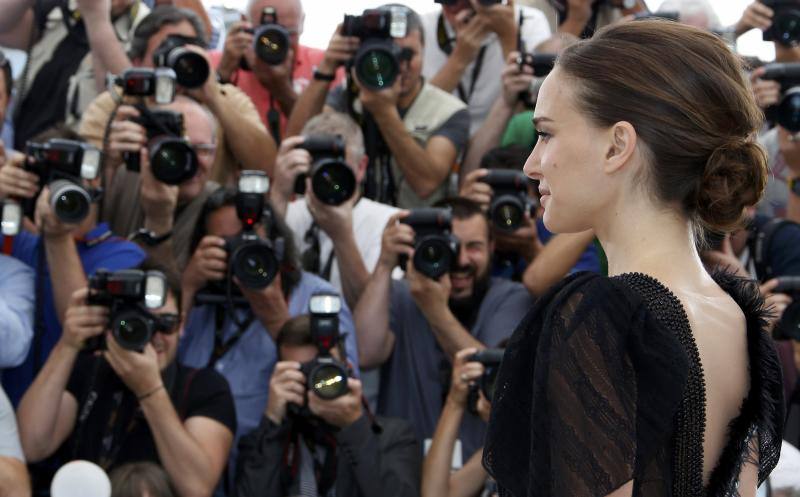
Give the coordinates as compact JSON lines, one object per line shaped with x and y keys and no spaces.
{"x":167,"y":323}
{"x":204,"y":150}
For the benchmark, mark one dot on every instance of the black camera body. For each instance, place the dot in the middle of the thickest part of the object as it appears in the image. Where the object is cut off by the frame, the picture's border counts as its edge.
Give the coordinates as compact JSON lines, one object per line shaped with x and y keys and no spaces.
{"x":128,"y":294}
{"x":148,"y":82}
{"x":332,"y":179}
{"x":788,"y":327}
{"x":377,"y":61}
{"x":270,"y":40}
{"x":172,"y":158}
{"x":491,"y":359}
{"x":63,"y":164}
{"x":510,"y":200}
{"x":787,"y":112}
{"x":191,"y":68}
{"x":435,"y":247}
{"x":785,"y":28}
{"x":325,"y":376}
{"x":541,"y":65}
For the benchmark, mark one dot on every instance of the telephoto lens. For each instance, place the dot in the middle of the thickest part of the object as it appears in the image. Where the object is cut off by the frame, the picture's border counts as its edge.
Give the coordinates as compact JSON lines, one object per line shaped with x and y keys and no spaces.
{"x":435,"y":248}
{"x":172,"y":159}
{"x":510,"y":200}
{"x":191,"y":68}
{"x":132,"y":329}
{"x":377,"y":61}
{"x":69,"y":201}
{"x":787,"y":112}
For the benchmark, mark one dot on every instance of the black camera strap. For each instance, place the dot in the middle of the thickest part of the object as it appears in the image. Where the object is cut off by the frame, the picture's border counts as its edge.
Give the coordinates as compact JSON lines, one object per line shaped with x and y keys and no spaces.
{"x":446,"y":45}
{"x":222,"y":346}
{"x":274,"y":121}
{"x":38,"y":315}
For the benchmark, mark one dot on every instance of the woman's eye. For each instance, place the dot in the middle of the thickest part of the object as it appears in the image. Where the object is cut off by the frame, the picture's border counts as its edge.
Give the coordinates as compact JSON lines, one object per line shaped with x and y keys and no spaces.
{"x":543,"y":136}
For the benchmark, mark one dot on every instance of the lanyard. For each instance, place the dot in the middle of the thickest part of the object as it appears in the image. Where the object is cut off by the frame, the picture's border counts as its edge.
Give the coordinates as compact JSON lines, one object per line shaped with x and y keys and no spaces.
{"x":222,"y":346}
{"x":446,"y":45}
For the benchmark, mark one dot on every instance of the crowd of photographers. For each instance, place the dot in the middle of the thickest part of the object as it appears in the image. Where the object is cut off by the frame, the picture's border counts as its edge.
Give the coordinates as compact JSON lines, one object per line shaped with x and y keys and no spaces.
{"x":249,"y":267}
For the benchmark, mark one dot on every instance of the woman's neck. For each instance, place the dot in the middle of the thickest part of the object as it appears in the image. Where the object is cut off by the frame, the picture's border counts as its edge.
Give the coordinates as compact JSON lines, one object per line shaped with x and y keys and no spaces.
{"x":639,"y":237}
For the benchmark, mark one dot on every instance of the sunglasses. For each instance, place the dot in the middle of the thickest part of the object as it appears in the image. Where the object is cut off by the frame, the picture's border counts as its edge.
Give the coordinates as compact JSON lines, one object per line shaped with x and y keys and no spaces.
{"x":167,"y":323}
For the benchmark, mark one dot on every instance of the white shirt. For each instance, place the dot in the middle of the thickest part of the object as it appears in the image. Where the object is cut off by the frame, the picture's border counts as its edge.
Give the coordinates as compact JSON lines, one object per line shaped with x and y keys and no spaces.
{"x":488,"y":86}
{"x":369,"y":220}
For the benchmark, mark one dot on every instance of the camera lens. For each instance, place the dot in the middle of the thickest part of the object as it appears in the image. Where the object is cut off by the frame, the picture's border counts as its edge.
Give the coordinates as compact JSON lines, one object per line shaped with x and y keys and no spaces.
{"x":507,"y":212}
{"x":69,"y":201}
{"x":172,"y":160}
{"x":787,"y":27}
{"x":489,"y":382}
{"x":333,"y":182}
{"x":271,"y":44}
{"x":432,"y":257}
{"x":376,"y":65}
{"x":328,"y":381}
{"x":254,"y":264}
{"x":132,"y":330}
{"x":191,"y":68}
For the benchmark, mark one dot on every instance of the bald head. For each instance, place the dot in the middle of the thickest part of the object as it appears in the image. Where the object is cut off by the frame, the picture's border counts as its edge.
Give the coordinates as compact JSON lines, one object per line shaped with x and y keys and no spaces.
{"x":201,"y":119}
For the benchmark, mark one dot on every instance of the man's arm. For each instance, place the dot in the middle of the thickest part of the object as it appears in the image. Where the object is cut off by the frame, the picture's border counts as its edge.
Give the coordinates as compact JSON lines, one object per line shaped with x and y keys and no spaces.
{"x":108,"y":54}
{"x":375,"y":339}
{"x":16,"y":23}
{"x":16,"y":311}
{"x":554,"y":261}
{"x":14,"y":481}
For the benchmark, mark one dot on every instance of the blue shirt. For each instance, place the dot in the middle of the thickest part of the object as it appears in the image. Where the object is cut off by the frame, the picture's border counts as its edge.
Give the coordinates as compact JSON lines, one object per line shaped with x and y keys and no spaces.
{"x":248,"y":364}
{"x":590,"y":259}
{"x":98,"y":251}
{"x":16,"y":311}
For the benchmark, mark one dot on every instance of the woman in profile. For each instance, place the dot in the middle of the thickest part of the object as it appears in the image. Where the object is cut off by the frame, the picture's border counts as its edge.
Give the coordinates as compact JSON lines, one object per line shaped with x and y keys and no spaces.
{"x":658,"y":380}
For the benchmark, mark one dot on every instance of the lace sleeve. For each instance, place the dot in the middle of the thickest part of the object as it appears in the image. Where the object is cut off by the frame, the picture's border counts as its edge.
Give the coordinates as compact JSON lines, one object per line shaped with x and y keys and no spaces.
{"x":582,"y":404}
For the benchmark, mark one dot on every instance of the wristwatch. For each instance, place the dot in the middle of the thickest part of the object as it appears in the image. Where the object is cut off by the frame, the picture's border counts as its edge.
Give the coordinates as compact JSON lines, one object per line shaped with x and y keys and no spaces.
{"x":794,"y":186}
{"x":149,"y":238}
{"x":321,"y":76}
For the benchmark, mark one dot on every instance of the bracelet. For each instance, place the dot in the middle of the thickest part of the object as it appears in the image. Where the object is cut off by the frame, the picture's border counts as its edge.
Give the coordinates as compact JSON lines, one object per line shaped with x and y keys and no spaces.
{"x":321,"y":76}
{"x":151,"y":392}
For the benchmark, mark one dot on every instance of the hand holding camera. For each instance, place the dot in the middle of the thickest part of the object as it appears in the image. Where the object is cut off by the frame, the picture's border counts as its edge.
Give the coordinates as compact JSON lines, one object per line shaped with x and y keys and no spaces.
{"x":379,"y":101}
{"x":209,"y":262}
{"x":341,"y":411}
{"x":435,"y":247}
{"x":238,"y":46}
{"x":397,"y":240}
{"x":430,"y":294}
{"x":82,"y":321}
{"x":774,"y":300}
{"x":340,"y":50}
{"x":465,"y":374}
{"x":159,"y":199}
{"x":756,"y":15}
{"x":470,"y":30}
{"x":292,"y":163}
{"x":139,"y":370}
{"x":477,"y":190}
{"x":15,"y":181}
{"x":376,"y":64}
{"x":499,"y":18}
{"x":287,"y":385}
{"x":517,"y":77}
{"x":767,"y":93}
{"x":49,"y":224}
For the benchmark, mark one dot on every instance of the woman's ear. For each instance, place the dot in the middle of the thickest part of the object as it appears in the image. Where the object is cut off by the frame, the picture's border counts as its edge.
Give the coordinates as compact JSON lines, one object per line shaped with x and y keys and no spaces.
{"x":621,"y":147}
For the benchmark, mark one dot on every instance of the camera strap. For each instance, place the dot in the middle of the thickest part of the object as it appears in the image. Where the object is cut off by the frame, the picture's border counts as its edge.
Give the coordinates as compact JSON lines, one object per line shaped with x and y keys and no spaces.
{"x":274,"y":121}
{"x":445,"y":43}
{"x":311,"y":256}
{"x":222,"y":346}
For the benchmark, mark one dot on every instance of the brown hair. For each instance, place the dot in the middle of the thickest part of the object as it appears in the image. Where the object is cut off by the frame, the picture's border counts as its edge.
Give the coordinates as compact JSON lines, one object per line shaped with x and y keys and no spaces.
{"x":134,"y":479}
{"x":683,"y":91}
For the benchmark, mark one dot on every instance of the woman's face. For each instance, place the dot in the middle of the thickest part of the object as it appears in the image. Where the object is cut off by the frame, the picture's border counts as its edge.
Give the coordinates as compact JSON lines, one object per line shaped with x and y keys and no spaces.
{"x":569,"y":160}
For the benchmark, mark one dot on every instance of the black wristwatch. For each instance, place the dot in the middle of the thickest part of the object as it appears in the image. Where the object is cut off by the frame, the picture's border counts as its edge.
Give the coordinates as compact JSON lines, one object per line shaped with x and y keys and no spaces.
{"x":321,"y":76}
{"x":794,"y":186}
{"x":149,"y":238}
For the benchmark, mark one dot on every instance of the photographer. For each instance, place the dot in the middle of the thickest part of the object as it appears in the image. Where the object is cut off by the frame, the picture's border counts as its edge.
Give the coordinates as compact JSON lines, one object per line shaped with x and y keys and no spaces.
{"x":62,"y":255}
{"x":414,"y":132}
{"x":470,"y":42}
{"x":134,"y":405}
{"x":583,"y":17}
{"x":158,"y":216}
{"x":232,"y":325}
{"x":274,"y":88}
{"x":340,"y":242}
{"x":14,"y":480}
{"x":16,"y":311}
{"x":438,"y":480}
{"x":372,"y":456}
{"x":69,"y":54}
{"x":413,"y":328}
{"x":6,"y":87}
{"x":242,"y":140}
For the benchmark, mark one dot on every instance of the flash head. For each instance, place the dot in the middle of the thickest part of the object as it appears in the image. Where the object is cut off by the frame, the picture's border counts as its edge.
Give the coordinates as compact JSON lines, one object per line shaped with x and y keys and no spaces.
{"x":253,"y":182}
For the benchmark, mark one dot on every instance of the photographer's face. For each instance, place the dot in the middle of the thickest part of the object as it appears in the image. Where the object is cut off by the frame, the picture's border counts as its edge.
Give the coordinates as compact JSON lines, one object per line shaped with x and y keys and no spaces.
{"x":568,"y":160}
{"x":224,"y":223}
{"x":411,"y":70}
{"x":289,"y":13}
{"x":473,"y":256}
{"x":166,"y":344}
{"x":184,"y":28}
{"x":200,"y":133}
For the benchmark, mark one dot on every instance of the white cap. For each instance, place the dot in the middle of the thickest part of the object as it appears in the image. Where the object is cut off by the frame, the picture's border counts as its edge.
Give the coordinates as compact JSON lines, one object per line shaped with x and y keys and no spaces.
{"x":80,"y":479}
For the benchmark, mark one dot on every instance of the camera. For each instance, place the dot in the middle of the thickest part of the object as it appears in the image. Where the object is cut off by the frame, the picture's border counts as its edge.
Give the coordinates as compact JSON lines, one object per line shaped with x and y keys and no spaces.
{"x":510,"y":200}
{"x":785,"y":28}
{"x":788,"y":327}
{"x":541,"y":65}
{"x":146,"y":82}
{"x":787,"y":112}
{"x":270,"y":40}
{"x":63,"y":164}
{"x":377,"y":61}
{"x":435,"y":247}
{"x":191,"y":68}
{"x":252,"y":259}
{"x":491,"y":359}
{"x":332,"y":179}
{"x":130,"y":294}
{"x":172,"y":158}
{"x":325,"y":376}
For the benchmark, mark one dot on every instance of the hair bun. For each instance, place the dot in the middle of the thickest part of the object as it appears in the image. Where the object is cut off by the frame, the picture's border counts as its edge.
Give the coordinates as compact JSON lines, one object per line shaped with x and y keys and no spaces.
{"x":734,"y":178}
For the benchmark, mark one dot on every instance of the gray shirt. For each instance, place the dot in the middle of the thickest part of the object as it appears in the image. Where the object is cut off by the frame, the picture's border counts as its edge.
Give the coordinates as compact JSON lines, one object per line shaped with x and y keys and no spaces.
{"x":412,"y":381}
{"x":9,"y":438}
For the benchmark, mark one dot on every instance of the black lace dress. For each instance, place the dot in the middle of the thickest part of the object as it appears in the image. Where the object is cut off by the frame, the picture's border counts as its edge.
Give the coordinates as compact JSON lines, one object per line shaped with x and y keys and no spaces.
{"x":601,"y":383}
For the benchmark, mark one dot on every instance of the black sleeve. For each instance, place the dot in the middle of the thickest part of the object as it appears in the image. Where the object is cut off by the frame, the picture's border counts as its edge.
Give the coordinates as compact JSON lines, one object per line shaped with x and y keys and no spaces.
{"x":785,"y":250}
{"x":209,"y":396}
{"x":385,"y":463}
{"x":456,"y":129}
{"x":595,"y":384}
{"x":258,"y":467}
{"x":81,"y":377}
